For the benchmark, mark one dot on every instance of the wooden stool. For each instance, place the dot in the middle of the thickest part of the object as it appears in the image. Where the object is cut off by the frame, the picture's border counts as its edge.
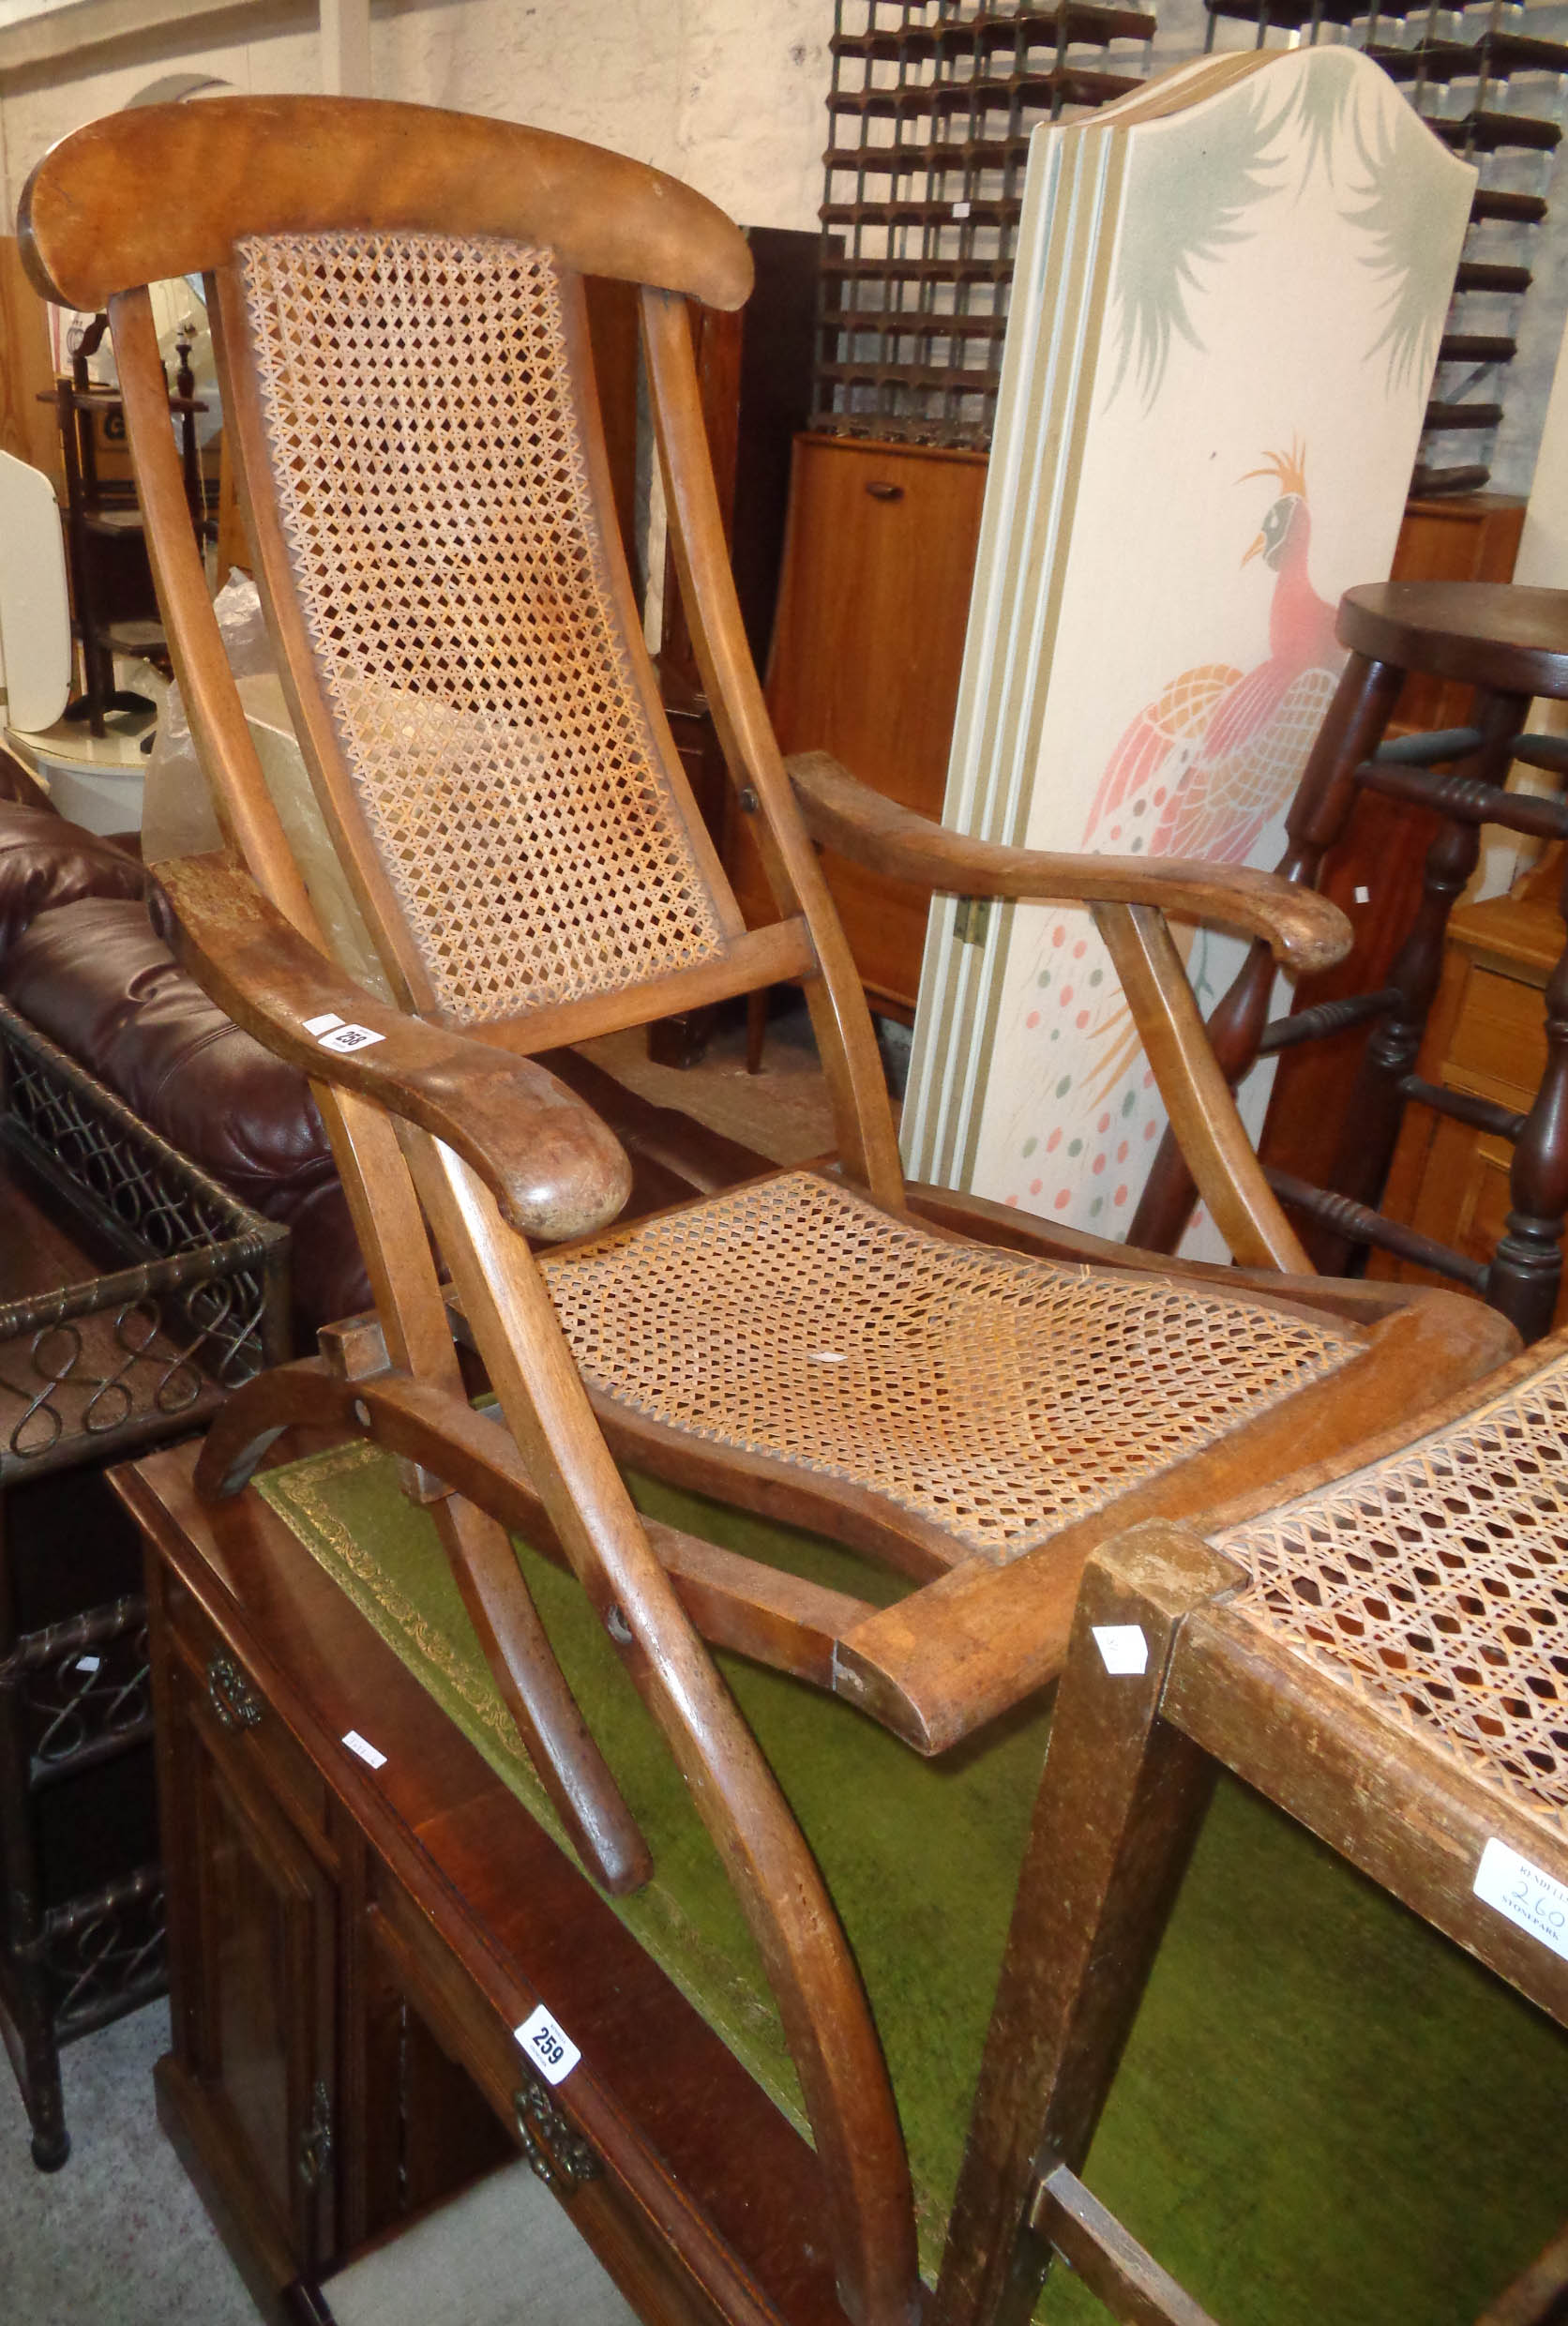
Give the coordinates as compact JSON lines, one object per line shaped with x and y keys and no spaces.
{"x":1382,"y":1657}
{"x":1509,"y":644}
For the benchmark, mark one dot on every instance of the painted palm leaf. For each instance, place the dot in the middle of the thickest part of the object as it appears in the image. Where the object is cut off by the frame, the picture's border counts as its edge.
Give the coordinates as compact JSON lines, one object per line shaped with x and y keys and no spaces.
{"x":1198,"y":188}
{"x":1396,"y":215}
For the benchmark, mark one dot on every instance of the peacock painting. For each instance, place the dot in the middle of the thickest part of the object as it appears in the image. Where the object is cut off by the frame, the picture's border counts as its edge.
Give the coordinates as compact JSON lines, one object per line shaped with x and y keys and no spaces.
{"x":1211,"y":401}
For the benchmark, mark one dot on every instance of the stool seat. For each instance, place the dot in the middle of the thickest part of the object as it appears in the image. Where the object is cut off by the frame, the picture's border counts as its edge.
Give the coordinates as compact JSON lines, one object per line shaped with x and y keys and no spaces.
{"x":1492,"y":634}
{"x":1434,"y":1586}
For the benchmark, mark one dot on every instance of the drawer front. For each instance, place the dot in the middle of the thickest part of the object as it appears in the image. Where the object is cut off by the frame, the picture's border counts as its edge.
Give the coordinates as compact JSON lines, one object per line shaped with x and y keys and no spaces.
{"x":239,"y":1721}
{"x":1500,"y":1041}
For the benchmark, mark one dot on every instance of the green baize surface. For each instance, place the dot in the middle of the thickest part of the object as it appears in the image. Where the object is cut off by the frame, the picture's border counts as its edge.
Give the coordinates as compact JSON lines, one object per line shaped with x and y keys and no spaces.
{"x":1325,"y":2113}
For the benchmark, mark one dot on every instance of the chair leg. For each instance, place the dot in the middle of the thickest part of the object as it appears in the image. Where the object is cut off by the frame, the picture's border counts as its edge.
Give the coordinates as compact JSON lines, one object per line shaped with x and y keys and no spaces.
{"x":1540,"y":2297}
{"x":867,"y":2207}
{"x":755,"y":1027}
{"x":1120,"y":1807}
{"x":1376,"y":1103}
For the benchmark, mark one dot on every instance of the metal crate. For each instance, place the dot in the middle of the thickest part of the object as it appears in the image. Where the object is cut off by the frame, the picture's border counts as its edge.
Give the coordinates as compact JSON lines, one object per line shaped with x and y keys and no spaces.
{"x":149,"y":1293}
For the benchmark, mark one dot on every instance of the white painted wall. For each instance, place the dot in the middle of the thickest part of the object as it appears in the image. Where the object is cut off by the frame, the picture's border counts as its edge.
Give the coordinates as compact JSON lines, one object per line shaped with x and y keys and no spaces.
{"x":42,"y":104}
{"x":727,"y":93}
{"x":727,"y":96}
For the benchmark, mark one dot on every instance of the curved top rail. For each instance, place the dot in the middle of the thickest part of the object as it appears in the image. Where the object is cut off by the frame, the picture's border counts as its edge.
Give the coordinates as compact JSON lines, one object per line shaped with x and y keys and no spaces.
{"x":166,"y":189}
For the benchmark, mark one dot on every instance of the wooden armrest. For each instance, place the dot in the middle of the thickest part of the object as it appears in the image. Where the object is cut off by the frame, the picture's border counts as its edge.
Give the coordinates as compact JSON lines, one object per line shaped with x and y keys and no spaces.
{"x":553,"y":1166}
{"x":1303,"y":929}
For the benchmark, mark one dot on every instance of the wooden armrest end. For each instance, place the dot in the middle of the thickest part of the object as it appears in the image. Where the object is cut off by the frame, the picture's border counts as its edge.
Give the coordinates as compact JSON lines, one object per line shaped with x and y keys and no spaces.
{"x":554,"y":1167}
{"x":1303,"y":929}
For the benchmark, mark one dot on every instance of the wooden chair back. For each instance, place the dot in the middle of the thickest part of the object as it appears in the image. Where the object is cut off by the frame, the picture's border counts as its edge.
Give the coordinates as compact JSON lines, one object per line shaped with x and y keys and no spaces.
{"x":403,"y":357}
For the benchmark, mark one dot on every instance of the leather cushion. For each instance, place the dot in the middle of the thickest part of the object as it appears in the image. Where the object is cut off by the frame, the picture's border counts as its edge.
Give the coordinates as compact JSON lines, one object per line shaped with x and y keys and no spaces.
{"x":45,"y":862}
{"x":95,"y":979}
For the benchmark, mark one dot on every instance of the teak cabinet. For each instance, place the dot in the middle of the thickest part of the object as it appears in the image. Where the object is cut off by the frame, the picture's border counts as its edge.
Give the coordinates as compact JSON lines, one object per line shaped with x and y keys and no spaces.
{"x":868,"y":647}
{"x":867,"y":653}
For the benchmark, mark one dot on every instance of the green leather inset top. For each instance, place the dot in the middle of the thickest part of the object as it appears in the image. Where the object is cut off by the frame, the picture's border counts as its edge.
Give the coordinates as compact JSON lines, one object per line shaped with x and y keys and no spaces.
{"x":1326,"y":2113}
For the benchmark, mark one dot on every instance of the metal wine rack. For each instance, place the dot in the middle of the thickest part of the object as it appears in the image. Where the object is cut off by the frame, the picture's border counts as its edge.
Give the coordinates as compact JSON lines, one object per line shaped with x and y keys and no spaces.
{"x":929,"y":113}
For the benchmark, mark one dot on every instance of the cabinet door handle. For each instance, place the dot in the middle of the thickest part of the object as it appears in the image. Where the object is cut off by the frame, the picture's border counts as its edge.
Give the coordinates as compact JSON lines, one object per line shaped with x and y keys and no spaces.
{"x":560,"y":2156}
{"x":315,"y":2141}
{"x":233,"y":1704}
{"x":881,"y":490}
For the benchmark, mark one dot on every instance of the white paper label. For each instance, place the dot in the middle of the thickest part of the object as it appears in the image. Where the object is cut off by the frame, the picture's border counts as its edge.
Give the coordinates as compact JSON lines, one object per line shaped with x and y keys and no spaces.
{"x":344,"y":1038}
{"x":324,"y":1024}
{"x":960,"y":209}
{"x":368,"y":1753}
{"x":87,"y":1663}
{"x":1363,"y":894}
{"x":550,"y":2048}
{"x":1123,"y":1647}
{"x":1538,"y":1902}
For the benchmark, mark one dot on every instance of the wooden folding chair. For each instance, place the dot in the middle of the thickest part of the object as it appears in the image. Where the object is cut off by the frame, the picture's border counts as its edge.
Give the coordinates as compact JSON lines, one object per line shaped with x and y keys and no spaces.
{"x":398,"y":308}
{"x":1385,"y":1656}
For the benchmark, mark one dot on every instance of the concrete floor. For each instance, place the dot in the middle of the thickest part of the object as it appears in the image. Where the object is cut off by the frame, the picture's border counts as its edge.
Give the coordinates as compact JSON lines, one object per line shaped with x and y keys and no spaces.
{"x":116,"y":2237}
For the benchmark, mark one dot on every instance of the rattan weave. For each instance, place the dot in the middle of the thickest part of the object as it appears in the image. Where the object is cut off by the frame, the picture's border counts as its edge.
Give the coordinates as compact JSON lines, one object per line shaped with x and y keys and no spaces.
{"x":429,"y":462}
{"x":1435,"y":1586}
{"x":994,"y":1396}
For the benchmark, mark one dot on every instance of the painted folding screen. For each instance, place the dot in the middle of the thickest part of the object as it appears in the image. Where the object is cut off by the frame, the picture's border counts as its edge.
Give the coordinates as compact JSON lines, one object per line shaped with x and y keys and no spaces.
{"x":1225,"y":313}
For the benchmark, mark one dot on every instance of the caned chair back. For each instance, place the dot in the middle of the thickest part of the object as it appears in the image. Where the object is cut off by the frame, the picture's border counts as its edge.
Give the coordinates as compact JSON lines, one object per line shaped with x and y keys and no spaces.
{"x":494,"y":744}
{"x":400,"y":326}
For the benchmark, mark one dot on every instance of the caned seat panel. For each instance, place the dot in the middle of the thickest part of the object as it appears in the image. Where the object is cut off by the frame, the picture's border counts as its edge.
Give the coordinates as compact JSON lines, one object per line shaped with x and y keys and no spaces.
{"x":996,"y":1397}
{"x":426,"y":447}
{"x":1434,"y":1585}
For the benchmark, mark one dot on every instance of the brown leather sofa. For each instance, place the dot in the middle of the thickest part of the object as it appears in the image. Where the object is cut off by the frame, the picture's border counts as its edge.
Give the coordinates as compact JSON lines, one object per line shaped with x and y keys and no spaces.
{"x":80,"y":959}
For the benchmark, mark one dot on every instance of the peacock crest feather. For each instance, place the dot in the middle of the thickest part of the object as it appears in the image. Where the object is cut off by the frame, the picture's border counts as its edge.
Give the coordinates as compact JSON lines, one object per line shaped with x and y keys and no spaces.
{"x":1290,"y":468}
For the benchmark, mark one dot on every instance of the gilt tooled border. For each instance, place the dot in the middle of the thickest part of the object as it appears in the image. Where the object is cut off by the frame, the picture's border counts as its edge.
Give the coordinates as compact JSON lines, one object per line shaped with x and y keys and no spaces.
{"x":737,"y":2015}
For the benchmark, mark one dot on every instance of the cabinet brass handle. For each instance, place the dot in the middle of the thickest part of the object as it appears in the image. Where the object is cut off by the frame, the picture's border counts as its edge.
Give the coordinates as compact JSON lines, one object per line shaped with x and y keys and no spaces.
{"x":315,"y":2141}
{"x":233,"y":1704}
{"x":560,"y":2156}
{"x":881,"y":490}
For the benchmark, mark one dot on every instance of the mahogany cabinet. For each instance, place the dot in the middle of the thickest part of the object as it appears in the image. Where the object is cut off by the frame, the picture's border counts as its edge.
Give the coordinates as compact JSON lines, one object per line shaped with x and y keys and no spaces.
{"x":253,"y":1865}
{"x":352,"y":1952}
